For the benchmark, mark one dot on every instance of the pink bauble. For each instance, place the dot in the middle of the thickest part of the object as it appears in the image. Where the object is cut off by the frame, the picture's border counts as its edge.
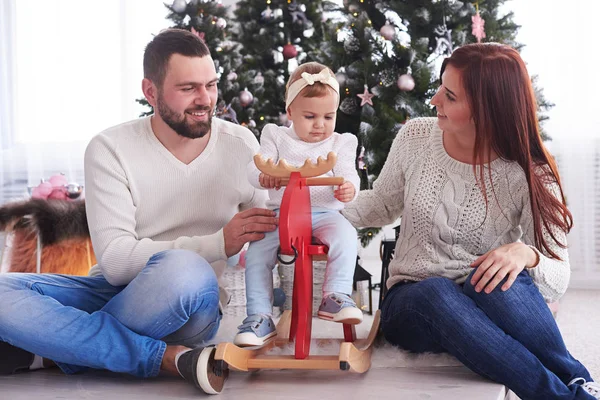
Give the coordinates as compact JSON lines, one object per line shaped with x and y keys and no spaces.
{"x":58,"y":180}
{"x":406,"y":82}
{"x":289,"y":51}
{"x":42,"y":191}
{"x":58,"y":194}
{"x":246,"y":98}
{"x":388,"y":32}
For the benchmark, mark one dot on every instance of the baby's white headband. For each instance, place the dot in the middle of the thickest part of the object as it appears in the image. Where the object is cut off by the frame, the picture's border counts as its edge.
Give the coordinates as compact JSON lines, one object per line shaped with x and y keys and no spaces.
{"x":306,"y":79}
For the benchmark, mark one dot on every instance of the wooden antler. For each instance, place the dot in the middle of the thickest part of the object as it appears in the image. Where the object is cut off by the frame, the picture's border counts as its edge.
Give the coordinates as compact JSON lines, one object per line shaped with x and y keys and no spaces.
{"x":283,"y":170}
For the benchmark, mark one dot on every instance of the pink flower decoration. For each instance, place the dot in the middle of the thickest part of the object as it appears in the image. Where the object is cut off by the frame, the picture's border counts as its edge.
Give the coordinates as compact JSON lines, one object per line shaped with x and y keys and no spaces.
{"x":478,"y":27}
{"x":199,"y":34}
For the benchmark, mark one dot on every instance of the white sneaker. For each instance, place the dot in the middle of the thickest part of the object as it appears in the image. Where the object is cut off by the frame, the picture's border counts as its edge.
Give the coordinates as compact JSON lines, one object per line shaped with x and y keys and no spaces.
{"x":592,"y":388}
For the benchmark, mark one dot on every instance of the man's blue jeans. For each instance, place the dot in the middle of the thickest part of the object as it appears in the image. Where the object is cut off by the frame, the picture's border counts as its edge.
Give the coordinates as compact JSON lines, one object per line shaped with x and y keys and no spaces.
{"x":509,"y":337}
{"x":83,"y":322}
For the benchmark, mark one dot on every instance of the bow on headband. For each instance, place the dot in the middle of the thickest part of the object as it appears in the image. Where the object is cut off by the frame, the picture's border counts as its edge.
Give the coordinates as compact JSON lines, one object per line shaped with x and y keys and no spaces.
{"x":307,"y":79}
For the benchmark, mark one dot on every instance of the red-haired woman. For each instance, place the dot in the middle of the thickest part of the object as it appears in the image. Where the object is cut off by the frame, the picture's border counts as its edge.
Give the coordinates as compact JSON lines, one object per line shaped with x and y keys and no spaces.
{"x":482,"y":245}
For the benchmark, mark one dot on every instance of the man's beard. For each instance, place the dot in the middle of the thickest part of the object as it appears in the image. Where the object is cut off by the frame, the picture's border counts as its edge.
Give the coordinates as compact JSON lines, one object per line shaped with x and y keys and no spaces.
{"x":179,"y":123}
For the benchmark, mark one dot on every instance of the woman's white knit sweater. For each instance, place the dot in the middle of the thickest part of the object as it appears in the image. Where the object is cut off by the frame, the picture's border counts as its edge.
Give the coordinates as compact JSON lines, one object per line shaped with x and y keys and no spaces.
{"x":445,"y":223}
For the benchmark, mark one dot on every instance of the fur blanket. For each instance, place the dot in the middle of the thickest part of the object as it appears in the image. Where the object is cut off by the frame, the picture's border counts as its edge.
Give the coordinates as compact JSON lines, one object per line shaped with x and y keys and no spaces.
{"x":63,"y":233}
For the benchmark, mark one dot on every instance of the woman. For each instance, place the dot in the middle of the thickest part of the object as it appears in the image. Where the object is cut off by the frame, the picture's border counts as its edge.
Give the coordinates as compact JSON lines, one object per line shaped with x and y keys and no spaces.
{"x":482,"y":245}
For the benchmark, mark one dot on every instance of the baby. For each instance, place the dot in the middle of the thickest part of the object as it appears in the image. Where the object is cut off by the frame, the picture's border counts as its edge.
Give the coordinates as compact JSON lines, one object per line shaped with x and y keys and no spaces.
{"x":312,"y":99}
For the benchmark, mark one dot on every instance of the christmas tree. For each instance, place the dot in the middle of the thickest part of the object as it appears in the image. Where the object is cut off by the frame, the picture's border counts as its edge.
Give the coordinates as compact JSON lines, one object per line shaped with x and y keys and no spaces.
{"x":208,"y":19}
{"x":276,"y":35}
{"x":387,"y":56}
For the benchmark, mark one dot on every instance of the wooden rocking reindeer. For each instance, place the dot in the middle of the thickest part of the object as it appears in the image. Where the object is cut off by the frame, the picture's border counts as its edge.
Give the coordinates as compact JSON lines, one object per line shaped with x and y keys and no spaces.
{"x":295,"y":234}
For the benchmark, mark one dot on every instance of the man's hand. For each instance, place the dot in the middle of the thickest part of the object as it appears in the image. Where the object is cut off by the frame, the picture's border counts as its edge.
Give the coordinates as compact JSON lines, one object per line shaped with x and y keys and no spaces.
{"x":248,"y":226}
{"x":345,"y":192}
{"x":495,"y":265}
{"x":269,"y":182}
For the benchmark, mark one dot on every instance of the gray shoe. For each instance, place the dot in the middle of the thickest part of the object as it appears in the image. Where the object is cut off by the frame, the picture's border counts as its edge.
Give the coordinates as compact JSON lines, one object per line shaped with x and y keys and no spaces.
{"x":256,"y":330}
{"x":339,"y":307}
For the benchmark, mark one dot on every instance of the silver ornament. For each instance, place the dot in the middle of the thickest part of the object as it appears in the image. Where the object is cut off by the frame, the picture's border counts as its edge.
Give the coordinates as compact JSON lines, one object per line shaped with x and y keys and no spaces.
{"x":232,"y":76}
{"x":179,"y":6}
{"x":406,"y":82}
{"x":73,"y":190}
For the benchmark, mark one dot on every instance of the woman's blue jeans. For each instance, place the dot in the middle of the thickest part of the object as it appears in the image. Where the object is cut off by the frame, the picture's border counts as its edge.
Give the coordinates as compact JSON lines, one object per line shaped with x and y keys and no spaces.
{"x":509,"y":337}
{"x":83,"y":322}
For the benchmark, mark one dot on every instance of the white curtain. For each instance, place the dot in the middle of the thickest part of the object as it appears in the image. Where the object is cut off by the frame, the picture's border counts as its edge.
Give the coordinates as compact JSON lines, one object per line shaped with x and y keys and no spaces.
{"x":68,"y":70}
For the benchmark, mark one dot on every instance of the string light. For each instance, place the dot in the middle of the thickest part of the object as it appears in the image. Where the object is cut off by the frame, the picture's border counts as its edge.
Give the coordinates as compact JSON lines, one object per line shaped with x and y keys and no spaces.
{"x":262,"y":118}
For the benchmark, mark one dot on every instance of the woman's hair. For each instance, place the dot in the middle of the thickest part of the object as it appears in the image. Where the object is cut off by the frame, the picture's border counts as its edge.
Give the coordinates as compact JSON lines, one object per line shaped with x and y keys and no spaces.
{"x":503,"y":108}
{"x":318,"y":89}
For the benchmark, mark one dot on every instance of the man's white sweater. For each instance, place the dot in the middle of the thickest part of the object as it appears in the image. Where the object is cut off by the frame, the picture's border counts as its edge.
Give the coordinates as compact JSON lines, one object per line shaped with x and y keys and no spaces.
{"x":445,"y":223}
{"x":140,"y":199}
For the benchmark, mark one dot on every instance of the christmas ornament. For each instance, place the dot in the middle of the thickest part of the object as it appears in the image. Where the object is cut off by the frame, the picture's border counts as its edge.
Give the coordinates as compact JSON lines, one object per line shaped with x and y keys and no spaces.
{"x":221,"y":23}
{"x":406,"y":83}
{"x":297,"y":13}
{"x":267,"y":14}
{"x":348,"y":106}
{"x":341,"y":77}
{"x":353,"y":8}
{"x":232,"y":76}
{"x":388,"y":31}
{"x":246,"y":98}
{"x":199,"y":34}
{"x":179,"y":6}
{"x":73,"y":190}
{"x":366,"y":97}
{"x":478,"y":25}
{"x":259,"y":79}
{"x":226,"y":112}
{"x":289,"y":51}
{"x":443,"y":40}
{"x":252,"y":124}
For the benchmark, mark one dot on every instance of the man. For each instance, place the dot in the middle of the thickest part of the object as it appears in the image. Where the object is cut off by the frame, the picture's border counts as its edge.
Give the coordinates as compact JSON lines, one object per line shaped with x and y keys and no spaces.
{"x":163,"y":198}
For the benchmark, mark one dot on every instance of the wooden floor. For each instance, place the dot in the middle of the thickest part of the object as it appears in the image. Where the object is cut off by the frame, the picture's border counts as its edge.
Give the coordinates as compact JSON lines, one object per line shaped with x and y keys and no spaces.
{"x":434,"y":383}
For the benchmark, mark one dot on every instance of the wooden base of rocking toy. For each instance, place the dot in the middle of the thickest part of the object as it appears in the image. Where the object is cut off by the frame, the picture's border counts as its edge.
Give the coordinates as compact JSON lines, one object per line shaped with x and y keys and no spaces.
{"x":295,"y":234}
{"x":353,"y":356}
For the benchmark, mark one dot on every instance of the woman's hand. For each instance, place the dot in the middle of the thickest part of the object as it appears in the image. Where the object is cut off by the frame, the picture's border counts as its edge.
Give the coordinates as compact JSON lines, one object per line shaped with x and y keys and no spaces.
{"x":495,"y":265}
{"x":269,"y":182}
{"x":345,"y":192}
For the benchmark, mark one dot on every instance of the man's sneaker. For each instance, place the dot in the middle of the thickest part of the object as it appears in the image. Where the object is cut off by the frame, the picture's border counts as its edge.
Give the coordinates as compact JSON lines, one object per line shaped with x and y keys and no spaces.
{"x":256,"y":330}
{"x":200,"y":367}
{"x":339,"y":307}
{"x":592,"y":388}
{"x":13,"y":359}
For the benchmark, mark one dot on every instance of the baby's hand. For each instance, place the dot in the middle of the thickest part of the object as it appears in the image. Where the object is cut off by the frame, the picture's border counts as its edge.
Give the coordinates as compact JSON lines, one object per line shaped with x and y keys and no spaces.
{"x":345,"y":192}
{"x":269,"y":182}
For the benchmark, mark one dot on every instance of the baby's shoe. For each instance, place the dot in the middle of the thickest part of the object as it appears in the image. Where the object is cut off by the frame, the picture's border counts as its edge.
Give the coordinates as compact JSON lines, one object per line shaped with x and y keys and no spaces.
{"x":256,"y":330}
{"x":339,"y":307}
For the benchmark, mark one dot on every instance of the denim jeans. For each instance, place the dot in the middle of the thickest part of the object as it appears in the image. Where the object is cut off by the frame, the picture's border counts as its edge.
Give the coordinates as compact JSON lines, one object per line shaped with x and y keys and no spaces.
{"x":509,"y":337}
{"x":83,"y":322}
{"x":333,"y":230}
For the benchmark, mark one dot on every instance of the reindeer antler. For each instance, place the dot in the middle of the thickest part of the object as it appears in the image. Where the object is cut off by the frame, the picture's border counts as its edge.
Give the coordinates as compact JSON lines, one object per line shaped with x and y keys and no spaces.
{"x":283,"y":170}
